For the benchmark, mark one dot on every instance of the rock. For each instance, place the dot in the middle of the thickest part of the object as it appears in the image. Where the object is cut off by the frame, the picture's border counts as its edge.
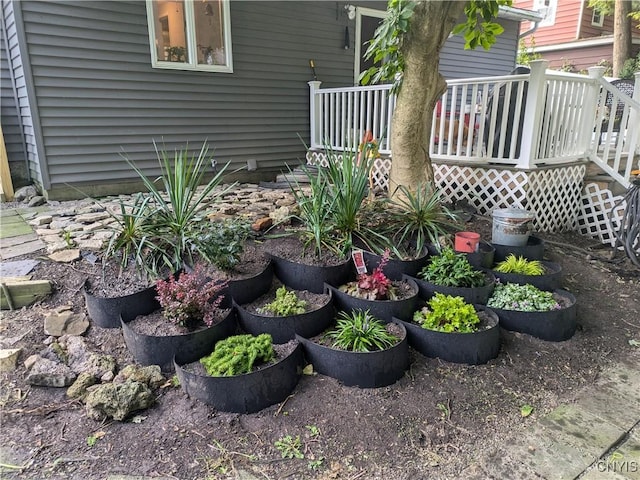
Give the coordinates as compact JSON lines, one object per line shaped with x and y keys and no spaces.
{"x":281,"y":215}
{"x":59,"y":225}
{"x":92,"y":217}
{"x":102,"y":366}
{"x":102,"y":235}
{"x":117,"y":401}
{"x":107,"y":377}
{"x":9,"y":359}
{"x":285,"y":202}
{"x":262,"y":224}
{"x":79,"y":388}
{"x":66,"y":256}
{"x":42,"y":220}
{"x":47,"y":373}
{"x":89,"y":209}
{"x":149,"y":375}
{"x":37,"y":201}
{"x":218,"y":217}
{"x":91,"y":244}
{"x":25,"y":193}
{"x":56,"y":247}
{"x":30,"y":361}
{"x":48,"y":231}
{"x":65,"y":323}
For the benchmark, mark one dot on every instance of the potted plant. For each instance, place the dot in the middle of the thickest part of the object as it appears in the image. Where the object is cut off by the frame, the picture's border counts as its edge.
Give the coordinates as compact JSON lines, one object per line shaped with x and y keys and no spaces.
{"x":289,"y":313}
{"x":540,"y":273}
{"x":243,"y":374}
{"x":527,"y":309}
{"x":377,"y":293}
{"x":454,"y":330}
{"x":360,"y":350}
{"x":452,"y":274}
{"x":190,"y":320}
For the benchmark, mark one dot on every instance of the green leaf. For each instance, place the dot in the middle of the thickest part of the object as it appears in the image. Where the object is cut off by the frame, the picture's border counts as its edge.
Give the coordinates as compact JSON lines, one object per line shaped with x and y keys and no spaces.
{"x":634,"y":343}
{"x":526,"y":410}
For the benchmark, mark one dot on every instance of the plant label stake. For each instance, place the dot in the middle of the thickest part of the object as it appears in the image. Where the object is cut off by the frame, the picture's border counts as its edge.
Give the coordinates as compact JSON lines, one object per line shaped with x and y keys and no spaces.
{"x":358,"y":261}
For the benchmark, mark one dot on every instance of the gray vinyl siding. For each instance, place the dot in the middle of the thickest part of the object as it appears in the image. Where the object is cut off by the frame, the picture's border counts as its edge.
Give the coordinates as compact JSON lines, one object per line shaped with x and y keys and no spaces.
{"x":98,"y":96}
{"x":9,"y":112}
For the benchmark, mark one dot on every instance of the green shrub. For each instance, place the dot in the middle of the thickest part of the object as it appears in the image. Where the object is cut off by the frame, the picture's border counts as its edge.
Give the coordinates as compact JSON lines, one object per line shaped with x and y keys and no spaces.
{"x":220,"y":243}
{"x":446,"y":313}
{"x":359,"y":331}
{"x":524,"y":298}
{"x":451,"y":269}
{"x":520,"y":265}
{"x":237,"y":355}
{"x":285,"y":304}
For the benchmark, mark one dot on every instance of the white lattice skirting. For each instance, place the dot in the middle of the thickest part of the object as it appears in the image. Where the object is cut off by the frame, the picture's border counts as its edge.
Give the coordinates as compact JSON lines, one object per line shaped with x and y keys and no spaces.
{"x":553,"y":193}
{"x":595,"y":207}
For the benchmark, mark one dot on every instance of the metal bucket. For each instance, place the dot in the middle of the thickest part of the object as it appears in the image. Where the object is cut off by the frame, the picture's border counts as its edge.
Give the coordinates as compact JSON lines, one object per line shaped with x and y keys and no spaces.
{"x":511,"y":226}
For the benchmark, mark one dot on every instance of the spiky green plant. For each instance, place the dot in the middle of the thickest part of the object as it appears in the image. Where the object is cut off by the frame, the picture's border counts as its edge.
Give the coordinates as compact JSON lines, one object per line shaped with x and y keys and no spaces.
{"x":238,"y":354}
{"x":520,"y":265}
{"x":359,"y":331}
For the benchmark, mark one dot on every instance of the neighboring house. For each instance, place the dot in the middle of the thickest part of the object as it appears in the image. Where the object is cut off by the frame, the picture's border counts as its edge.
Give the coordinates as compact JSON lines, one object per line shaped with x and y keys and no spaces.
{"x":90,"y":81}
{"x":573,"y":36}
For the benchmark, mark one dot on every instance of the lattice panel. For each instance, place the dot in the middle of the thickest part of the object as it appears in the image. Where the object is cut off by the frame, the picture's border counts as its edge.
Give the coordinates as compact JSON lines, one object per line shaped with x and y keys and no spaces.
{"x":554,"y":193}
{"x":593,"y":218}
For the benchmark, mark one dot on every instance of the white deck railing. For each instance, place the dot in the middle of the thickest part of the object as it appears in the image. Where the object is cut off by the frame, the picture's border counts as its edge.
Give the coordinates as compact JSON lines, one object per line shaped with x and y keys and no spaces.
{"x":525,"y":120}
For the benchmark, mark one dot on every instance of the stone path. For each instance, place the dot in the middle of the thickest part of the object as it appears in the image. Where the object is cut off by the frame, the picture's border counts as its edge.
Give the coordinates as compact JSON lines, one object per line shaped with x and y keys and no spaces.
{"x":595,"y":437}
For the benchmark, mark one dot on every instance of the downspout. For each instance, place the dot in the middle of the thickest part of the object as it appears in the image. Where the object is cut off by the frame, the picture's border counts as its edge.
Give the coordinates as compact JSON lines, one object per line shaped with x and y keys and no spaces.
{"x":530,"y":31}
{"x":16,"y":101}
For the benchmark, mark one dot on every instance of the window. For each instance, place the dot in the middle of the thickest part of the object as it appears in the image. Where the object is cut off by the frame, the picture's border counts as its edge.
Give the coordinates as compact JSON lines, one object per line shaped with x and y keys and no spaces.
{"x":548,"y":9}
{"x":190,"y":34}
{"x":597,"y":19}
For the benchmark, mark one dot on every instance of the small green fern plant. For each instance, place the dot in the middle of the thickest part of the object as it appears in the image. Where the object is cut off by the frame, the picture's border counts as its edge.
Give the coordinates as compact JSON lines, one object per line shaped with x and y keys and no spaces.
{"x":451,"y":269}
{"x":286,"y":303}
{"x":520,"y":265}
{"x":238,"y":354}
{"x":360,"y":331}
{"x":446,"y":313}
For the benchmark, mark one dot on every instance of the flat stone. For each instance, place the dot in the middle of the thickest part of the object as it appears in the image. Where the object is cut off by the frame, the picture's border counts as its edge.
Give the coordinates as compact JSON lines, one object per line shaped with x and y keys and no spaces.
{"x":92,"y":217}
{"x":74,"y":227}
{"x":42,"y":220}
{"x":56,"y":247}
{"x":262,"y":224}
{"x":102,"y":235}
{"x":48,"y":373}
{"x":9,"y":359}
{"x":66,"y":256}
{"x":65,"y":323}
{"x":37,"y":201}
{"x":92,"y":227}
{"x":90,"y":244}
{"x":285,"y":202}
{"x":89,"y":209}
{"x":48,"y":231}
{"x":17,"y":268}
{"x":59,"y":224}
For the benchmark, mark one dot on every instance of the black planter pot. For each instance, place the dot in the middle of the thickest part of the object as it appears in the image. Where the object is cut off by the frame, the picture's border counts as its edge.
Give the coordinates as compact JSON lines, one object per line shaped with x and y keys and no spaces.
{"x":484,"y":257}
{"x":246,"y":290}
{"x":551,"y":280}
{"x":247,"y":393}
{"x":283,"y":329}
{"x":471,"y":348}
{"x":106,"y":312}
{"x":533,"y":250}
{"x":159,"y":350}
{"x":384,"y":310}
{"x":396,"y":268}
{"x":359,"y":369}
{"x":554,"y":325}
{"x":300,"y":276}
{"x":471,"y":295}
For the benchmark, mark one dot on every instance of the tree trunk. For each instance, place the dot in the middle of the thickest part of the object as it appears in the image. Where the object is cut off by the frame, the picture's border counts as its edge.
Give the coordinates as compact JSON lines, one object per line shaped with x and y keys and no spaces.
{"x":422,"y":86}
{"x":621,"y":35}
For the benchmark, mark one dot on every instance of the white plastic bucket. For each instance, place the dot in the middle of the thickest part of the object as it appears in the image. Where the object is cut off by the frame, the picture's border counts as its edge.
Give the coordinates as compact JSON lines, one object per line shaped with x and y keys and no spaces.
{"x":511,"y":226}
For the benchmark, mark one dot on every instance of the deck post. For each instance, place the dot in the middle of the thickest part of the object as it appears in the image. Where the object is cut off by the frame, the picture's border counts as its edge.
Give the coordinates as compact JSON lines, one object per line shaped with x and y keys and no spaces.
{"x":590,"y":109}
{"x":534,"y":110}
{"x":314,"y":113}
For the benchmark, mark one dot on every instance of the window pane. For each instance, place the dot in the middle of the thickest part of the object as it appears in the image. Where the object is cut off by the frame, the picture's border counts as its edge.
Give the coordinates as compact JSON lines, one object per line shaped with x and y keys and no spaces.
{"x":210,"y":32}
{"x":170,"y":28}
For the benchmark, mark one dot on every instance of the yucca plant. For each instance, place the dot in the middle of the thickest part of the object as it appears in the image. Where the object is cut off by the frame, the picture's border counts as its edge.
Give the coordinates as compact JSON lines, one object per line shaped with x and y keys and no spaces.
{"x":520,"y":265}
{"x":176,"y":201}
{"x":359,"y":331}
{"x":418,"y":216}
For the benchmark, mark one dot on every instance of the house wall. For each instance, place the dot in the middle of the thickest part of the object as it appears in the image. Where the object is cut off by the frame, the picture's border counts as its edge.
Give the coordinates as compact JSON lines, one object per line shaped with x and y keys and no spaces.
{"x":579,"y":59}
{"x":97,"y":94}
{"x":13,"y":95}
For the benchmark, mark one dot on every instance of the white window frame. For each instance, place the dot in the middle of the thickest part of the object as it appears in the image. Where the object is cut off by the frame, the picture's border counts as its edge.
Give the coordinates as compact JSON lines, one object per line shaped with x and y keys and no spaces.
{"x":548,"y":7}
{"x":360,"y":12}
{"x":600,"y":21}
{"x":190,"y":33}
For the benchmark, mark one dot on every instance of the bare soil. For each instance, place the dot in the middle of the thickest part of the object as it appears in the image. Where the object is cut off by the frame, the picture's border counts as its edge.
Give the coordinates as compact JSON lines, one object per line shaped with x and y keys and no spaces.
{"x":433,"y":423}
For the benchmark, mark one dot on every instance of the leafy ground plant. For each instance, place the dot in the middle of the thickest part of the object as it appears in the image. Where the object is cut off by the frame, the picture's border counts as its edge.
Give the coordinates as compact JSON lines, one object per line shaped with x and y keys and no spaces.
{"x":190,"y":298}
{"x":372,"y":286}
{"x":221,"y":243}
{"x":359,"y":331}
{"x":524,"y":298}
{"x":238,"y":354}
{"x":520,"y":265}
{"x":451,"y":269}
{"x":446,"y":313}
{"x":286,"y":303}
{"x":290,"y":447}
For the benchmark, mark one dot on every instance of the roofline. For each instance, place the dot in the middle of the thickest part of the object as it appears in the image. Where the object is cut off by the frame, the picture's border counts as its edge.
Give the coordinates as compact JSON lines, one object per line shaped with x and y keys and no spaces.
{"x":520,"y":14}
{"x":590,"y":42}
